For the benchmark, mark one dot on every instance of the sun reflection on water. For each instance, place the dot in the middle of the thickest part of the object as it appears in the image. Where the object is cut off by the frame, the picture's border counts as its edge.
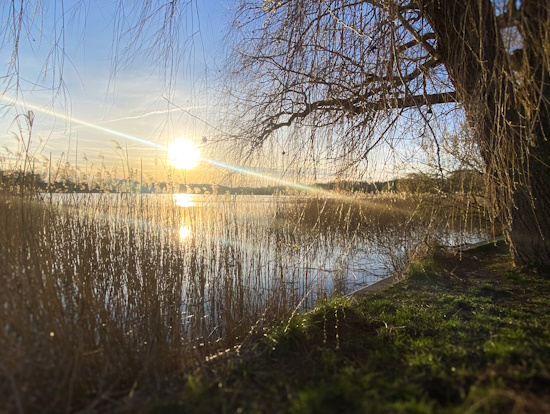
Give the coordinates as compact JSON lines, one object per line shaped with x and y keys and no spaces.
{"x":185,"y":232}
{"x":184,"y":200}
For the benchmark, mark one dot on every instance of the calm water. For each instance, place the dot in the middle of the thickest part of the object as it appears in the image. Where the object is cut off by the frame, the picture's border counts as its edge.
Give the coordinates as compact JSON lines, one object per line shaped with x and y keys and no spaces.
{"x":266,"y":240}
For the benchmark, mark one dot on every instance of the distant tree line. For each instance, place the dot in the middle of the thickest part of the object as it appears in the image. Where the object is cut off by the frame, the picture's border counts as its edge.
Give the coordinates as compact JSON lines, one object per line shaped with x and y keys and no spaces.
{"x":16,"y":182}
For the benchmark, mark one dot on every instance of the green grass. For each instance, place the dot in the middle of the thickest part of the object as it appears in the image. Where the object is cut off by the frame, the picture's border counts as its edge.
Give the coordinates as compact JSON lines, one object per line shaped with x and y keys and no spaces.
{"x":470,"y":335}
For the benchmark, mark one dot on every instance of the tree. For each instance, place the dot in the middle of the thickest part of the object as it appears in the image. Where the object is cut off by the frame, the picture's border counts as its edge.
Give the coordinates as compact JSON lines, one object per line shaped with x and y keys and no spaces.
{"x":347,"y":66}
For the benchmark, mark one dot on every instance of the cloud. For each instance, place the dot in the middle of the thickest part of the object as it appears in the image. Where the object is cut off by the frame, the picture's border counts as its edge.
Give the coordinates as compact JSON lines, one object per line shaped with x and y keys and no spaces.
{"x":160,"y":112}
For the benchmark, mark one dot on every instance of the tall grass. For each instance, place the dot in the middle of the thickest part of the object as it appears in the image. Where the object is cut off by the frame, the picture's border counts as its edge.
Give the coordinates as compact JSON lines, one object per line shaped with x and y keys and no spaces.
{"x":105,"y":293}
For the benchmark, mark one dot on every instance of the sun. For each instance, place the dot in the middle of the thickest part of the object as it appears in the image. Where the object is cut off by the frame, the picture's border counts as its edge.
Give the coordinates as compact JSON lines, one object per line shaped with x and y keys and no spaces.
{"x":183,"y":154}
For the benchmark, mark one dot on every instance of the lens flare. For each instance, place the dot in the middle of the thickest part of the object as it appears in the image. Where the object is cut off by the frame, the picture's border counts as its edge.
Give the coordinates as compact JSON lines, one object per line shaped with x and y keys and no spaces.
{"x":185,"y":153}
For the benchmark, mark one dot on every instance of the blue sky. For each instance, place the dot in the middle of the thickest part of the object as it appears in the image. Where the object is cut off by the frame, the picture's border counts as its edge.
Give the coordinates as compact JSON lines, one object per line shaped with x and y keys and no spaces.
{"x":124,"y":86}
{"x":104,"y":87}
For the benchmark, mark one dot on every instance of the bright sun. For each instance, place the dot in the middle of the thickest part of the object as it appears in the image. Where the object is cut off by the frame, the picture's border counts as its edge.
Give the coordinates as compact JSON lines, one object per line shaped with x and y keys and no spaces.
{"x":183,"y":154}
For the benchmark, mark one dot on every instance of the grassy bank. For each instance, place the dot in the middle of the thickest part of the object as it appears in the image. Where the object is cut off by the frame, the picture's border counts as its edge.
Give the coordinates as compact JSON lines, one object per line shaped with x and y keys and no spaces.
{"x":468,"y":334}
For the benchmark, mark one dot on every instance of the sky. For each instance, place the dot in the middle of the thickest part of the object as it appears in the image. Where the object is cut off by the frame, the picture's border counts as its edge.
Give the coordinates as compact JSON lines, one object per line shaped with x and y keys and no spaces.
{"x":117,"y":105}
{"x":108,"y":101}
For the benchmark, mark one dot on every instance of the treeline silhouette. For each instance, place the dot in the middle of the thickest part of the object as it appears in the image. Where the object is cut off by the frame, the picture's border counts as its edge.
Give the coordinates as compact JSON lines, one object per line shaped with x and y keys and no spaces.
{"x":16,"y":182}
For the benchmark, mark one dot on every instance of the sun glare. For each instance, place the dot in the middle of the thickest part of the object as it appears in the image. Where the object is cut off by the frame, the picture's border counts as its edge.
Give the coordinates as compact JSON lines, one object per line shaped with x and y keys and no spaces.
{"x":183,"y":154}
{"x":185,"y":231}
{"x":184,"y":200}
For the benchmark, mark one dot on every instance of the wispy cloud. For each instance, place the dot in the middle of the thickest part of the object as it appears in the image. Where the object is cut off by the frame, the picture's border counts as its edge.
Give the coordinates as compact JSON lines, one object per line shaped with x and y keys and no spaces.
{"x":161,"y":112}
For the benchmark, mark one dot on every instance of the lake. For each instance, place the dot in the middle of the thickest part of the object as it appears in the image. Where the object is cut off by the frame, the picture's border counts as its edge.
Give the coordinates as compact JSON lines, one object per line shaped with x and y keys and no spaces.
{"x":314,"y":247}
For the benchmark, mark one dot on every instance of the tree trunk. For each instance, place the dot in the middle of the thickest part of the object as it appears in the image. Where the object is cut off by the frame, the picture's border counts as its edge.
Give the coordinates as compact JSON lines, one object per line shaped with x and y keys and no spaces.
{"x":530,"y":225}
{"x":508,"y":110}
{"x":529,"y":230}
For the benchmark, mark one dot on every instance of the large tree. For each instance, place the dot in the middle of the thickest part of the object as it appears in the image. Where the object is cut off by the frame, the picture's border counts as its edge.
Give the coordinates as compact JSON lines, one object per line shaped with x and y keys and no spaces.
{"x":358,"y":63}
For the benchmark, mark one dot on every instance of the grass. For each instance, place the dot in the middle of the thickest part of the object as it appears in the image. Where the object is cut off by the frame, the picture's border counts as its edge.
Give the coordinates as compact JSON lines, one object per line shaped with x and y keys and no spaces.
{"x":469,"y":334}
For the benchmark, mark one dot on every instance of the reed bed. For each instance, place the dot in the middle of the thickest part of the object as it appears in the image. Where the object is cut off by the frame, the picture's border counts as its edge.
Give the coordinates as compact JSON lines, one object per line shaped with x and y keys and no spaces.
{"x":102,"y":293}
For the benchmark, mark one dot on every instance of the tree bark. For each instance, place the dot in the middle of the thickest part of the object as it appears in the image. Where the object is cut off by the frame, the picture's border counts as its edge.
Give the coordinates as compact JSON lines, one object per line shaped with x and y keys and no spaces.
{"x":529,"y":233}
{"x":530,"y":225}
{"x":509,"y":111}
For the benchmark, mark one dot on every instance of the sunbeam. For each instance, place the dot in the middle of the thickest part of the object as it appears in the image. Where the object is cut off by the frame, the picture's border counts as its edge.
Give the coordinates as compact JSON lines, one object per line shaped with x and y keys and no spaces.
{"x":229,"y":167}
{"x":84,"y":123}
{"x":266,"y":177}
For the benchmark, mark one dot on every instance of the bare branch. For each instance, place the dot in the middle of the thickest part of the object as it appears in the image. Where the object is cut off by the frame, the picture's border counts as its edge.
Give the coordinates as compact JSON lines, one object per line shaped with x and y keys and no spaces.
{"x":355,"y":107}
{"x":420,"y":39}
{"x":423,"y":38}
{"x":510,"y":17}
